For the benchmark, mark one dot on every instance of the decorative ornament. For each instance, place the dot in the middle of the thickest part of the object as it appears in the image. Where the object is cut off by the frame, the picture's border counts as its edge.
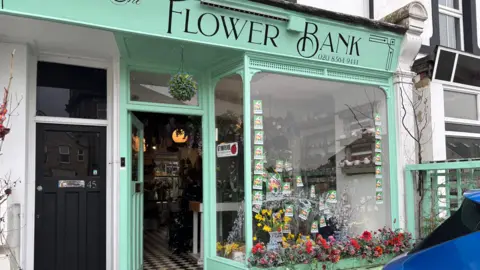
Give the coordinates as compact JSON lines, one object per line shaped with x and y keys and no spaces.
{"x":182,"y":86}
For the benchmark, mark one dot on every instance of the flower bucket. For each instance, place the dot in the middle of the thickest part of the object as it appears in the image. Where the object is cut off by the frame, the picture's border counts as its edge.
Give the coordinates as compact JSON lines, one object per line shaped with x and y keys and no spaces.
{"x":238,"y":256}
{"x":275,"y":240}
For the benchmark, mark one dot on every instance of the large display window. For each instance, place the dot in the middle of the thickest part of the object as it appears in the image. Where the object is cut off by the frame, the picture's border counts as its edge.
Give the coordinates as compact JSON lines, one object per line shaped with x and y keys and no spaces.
{"x":320,"y":172}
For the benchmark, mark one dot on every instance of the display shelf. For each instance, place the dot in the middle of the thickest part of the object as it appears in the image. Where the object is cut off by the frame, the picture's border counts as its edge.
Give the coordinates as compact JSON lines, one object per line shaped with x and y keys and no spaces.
{"x":357,"y":140}
{"x":359,"y":169}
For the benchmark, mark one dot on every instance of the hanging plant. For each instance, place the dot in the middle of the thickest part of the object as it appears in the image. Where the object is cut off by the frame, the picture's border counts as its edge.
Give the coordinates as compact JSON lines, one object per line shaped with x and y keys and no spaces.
{"x":182,"y":86}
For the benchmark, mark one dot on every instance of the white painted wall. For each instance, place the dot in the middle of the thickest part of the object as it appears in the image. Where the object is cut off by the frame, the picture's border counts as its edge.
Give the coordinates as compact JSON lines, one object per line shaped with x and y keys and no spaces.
{"x":435,"y":147}
{"x":478,"y":20}
{"x":13,"y":161}
{"x":352,"y":7}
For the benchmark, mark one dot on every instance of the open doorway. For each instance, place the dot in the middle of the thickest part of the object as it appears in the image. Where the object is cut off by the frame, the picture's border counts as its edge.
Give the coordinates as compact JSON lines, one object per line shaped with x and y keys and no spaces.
{"x":172,"y":181}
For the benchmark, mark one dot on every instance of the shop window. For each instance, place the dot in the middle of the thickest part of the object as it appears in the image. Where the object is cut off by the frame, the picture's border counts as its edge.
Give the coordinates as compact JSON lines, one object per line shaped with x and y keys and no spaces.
{"x":64,"y":152}
{"x":468,"y":108}
{"x":450,"y":23}
{"x":153,"y":87}
{"x":230,"y":164}
{"x":320,"y":159}
{"x":70,"y":91}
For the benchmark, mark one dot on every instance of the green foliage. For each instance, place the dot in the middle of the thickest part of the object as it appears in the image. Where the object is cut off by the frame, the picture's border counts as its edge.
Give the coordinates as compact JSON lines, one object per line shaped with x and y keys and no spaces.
{"x":182,"y":86}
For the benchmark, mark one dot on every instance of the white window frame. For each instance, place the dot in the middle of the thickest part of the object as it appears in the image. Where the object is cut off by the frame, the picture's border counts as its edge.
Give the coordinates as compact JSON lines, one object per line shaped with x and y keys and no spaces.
{"x":456,"y":13}
{"x":454,"y":120}
{"x":460,"y":121}
{"x":64,"y":154}
{"x":80,"y":155}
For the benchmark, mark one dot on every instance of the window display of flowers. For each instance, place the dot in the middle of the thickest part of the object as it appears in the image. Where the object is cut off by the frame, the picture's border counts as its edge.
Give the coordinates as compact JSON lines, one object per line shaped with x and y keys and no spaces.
{"x":261,"y":258}
{"x":320,"y":252}
{"x":226,"y":250}
{"x":268,"y":221}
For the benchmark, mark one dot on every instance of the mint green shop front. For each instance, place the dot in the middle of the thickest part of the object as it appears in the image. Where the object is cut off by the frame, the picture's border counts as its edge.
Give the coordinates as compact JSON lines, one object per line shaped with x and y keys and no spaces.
{"x":230,"y":39}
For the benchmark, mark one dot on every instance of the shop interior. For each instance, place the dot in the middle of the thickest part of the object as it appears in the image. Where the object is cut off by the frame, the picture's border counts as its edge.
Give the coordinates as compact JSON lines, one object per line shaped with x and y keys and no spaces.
{"x":172,"y":181}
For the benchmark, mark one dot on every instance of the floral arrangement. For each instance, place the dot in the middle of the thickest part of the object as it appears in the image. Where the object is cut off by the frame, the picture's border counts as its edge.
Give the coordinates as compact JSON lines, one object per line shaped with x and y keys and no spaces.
{"x":268,"y":221}
{"x":182,"y":86}
{"x":226,"y":250}
{"x":265,"y":259}
{"x":303,"y":250}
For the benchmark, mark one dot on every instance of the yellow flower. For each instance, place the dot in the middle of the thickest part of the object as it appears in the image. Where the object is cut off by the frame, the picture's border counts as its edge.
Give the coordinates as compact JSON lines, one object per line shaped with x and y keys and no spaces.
{"x":219,"y":246}
{"x":264,"y":211}
{"x":258,"y":217}
{"x":287,"y":219}
{"x":281,"y":211}
{"x":269,"y":212}
{"x":259,"y":224}
{"x":291,"y":236}
{"x":308,"y":237}
{"x":277,"y":216}
{"x":228,"y":249}
{"x":267,"y":228}
{"x":254,"y":238}
{"x":284,"y":239}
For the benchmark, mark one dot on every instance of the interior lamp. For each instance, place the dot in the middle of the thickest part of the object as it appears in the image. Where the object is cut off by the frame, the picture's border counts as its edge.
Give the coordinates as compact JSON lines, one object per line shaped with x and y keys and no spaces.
{"x":179,"y":136}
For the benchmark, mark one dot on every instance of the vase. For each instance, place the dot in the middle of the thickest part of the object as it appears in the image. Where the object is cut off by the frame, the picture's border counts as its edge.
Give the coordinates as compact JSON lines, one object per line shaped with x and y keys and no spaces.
{"x":238,"y":256}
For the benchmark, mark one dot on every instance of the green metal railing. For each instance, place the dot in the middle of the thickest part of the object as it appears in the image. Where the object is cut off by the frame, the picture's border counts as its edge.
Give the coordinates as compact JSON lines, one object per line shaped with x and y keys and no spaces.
{"x":434,"y":191}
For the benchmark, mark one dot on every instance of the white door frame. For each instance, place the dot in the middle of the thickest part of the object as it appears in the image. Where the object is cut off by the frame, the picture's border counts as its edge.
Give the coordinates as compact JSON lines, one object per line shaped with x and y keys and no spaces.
{"x":112,"y":123}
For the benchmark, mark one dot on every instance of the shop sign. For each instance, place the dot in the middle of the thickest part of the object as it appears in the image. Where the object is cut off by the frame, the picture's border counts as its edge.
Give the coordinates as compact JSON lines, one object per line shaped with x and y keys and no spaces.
{"x":123,"y":2}
{"x":227,"y":150}
{"x":317,"y":39}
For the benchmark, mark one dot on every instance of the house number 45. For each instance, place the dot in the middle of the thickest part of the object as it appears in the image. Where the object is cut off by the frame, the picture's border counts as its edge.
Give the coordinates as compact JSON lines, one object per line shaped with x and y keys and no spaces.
{"x":92,"y":184}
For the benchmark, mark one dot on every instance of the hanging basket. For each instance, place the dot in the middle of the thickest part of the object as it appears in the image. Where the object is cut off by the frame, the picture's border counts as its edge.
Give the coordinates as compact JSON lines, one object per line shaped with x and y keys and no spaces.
{"x":182,"y":86}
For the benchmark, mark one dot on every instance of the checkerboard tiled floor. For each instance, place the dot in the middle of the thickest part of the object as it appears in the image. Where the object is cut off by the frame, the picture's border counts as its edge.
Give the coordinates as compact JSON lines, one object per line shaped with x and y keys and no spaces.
{"x":157,"y":256}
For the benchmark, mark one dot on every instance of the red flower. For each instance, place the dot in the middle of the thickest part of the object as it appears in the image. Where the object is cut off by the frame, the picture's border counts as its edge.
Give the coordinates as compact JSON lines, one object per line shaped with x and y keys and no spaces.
{"x":378,"y":250}
{"x":279,"y":229}
{"x":324,"y":243}
{"x":367,"y":236}
{"x":355,"y":244}
{"x":309,"y":248}
{"x":257,"y":247}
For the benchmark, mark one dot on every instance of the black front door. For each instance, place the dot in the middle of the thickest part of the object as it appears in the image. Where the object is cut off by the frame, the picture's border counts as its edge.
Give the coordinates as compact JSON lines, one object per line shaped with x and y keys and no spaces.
{"x":70,"y":202}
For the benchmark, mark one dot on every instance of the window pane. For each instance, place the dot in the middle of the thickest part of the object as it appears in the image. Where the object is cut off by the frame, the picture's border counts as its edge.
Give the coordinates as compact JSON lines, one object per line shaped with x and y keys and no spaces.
{"x":467,"y":70}
{"x":444,"y":66}
{"x":449,"y":31}
{"x":58,"y":147}
{"x":460,"y":105}
{"x":462,"y":148}
{"x":70,"y":91}
{"x":323,"y":149}
{"x":462,"y":128}
{"x":153,"y":87}
{"x":230,"y":173}
{"x":449,"y":3}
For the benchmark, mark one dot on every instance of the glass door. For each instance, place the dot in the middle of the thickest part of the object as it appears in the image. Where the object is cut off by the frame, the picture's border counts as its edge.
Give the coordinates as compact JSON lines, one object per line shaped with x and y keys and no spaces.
{"x":136,"y":191}
{"x":229,"y":175}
